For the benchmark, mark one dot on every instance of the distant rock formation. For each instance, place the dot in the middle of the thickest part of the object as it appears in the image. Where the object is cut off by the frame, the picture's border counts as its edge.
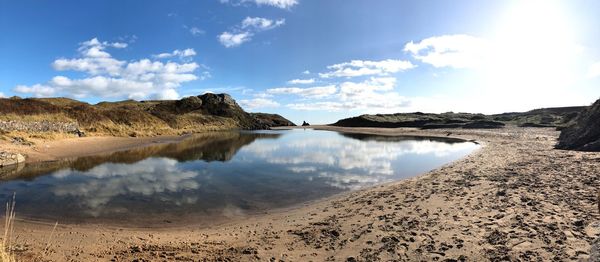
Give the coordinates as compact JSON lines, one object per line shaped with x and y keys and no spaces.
{"x":421,"y":120}
{"x":584,"y":134}
{"x":304,"y":123}
{"x":272,"y":120}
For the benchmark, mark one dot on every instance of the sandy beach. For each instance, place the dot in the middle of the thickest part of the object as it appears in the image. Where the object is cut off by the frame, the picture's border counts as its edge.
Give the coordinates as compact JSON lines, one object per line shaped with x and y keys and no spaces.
{"x":516,"y":198}
{"x":56,"y":149}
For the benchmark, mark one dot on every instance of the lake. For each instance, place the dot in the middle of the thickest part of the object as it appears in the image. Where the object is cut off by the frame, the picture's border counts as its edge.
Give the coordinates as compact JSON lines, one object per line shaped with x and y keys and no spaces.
{"x":214,"y":177}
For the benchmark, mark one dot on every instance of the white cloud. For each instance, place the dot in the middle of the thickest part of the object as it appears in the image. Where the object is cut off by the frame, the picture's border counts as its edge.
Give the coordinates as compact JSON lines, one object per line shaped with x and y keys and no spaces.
{"x":246,"y":30}
{"x":258,"y":103}
{"x":168,"y":94}
{"x":374,"y":95}
{"x":178,"y":53}
{"x":283,"y":4}
{"x":594,"y":70}
{"x":306,"y":72}
{"x":2,"y":95}
{"x":107,"y":77}
{"x":350,"y":90}
{"x":37,"y":89}
{"x":260,"y":23}
{"x":232,"y":40}
{"x":301,"y":81}
{"x":357,"y":68}
{"x":195,"y":31}
{"x":458,"y":51}
{"x":311,"y":92}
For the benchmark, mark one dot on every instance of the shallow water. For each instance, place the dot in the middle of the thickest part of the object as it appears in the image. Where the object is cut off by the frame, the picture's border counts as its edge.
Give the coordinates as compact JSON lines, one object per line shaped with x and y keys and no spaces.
{"x":213,"y":177}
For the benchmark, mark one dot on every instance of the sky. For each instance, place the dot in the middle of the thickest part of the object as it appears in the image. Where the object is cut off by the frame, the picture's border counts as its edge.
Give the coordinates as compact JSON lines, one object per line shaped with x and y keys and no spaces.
{"x":308,"y":60}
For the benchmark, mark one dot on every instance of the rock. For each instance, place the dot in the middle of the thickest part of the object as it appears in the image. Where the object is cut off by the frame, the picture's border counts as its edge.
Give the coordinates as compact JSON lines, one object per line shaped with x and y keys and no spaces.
{"x":305,"y":124}
{"x":272,"y":120}
{"x":7,"y":159}
{"x":584,"y":135}
{"x":595,"y":250}
{"x":189,"y":104}
{"x":79,"y":133}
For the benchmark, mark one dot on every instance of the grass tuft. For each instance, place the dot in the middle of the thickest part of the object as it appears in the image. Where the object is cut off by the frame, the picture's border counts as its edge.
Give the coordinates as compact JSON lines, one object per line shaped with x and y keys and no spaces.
{"x":6,"y":254}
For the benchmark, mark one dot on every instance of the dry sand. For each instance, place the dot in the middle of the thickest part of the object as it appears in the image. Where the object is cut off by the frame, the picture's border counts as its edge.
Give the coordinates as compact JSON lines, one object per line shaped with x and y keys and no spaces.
{"x":514,"y":199}
{"x":52,"y":149}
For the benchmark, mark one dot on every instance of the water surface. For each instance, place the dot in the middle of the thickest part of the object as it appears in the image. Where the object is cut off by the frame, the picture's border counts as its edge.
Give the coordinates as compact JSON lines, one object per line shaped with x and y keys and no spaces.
{"x":209,"y":178}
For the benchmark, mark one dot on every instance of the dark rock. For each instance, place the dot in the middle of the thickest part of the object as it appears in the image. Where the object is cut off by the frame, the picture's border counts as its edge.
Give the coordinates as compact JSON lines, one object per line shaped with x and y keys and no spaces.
{"x":584,"y":134}
{"x":305,"y":124}
{"x":189,"y":104}
{"x":528,"y":124}
{"x":272,"y":120}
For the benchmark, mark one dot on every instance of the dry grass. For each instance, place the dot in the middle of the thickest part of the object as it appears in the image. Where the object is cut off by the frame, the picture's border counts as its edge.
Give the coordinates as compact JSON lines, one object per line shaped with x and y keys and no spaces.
{"x":58,"y":117}
{"x":125,"y":118}
{"x":6,"y":254}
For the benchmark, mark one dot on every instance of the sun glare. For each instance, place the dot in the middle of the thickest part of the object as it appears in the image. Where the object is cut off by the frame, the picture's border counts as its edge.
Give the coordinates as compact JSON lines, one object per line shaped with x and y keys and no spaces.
{"x":533,"y":54}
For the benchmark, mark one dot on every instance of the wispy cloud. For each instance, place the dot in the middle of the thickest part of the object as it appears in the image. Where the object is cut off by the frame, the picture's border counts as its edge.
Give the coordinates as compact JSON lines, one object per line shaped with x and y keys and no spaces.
{"x":301,"y":81}
{"x":245,"y":31}
{"x":195,"y":31}
{"x":258,"y":103}
{"x":357,"y":68}
{"x":228,"y":39}
{"x":260,"y":23}
{"x":310,"y":92}
{"x":177,"y":53}
{"x":283,"y":4}
{"x":108,"y":77}
{"x":458,"y":51}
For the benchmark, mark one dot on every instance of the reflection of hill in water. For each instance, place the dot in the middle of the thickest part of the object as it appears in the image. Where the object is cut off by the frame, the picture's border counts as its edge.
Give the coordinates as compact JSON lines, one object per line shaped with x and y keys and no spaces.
{"x":380,"y":138}
{"x":221,"y":146}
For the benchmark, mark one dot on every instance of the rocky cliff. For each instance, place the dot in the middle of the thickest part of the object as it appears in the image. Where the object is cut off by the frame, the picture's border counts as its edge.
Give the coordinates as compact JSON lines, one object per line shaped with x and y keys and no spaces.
{"x":126,"y":118}
{"x":584,"y":134}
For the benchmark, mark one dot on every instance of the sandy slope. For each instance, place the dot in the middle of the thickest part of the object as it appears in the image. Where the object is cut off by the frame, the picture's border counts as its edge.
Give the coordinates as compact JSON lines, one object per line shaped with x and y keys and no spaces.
{"x":515,"y":198}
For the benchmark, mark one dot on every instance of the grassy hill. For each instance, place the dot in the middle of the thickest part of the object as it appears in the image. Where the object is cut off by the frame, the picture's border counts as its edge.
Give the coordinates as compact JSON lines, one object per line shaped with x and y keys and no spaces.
{"x":546,"y":117}
{"x":126,"y":118}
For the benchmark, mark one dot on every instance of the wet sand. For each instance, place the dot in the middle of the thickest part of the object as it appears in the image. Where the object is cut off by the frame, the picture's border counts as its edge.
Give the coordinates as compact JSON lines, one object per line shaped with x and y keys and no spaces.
{"x":516,"y":198}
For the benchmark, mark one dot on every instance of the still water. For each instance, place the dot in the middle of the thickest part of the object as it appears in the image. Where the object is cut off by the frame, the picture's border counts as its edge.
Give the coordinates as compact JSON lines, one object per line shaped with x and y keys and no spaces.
{"x":213,"y":177}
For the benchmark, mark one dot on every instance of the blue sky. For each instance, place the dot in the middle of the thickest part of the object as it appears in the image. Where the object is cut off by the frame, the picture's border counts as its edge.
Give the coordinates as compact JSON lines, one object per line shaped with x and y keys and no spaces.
{"x":310,"y":60}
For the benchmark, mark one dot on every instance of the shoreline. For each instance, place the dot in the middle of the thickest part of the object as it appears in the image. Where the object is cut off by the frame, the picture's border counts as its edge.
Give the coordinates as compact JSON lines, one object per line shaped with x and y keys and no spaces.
{"x":516,"y":197}
{"x":66,"y":148}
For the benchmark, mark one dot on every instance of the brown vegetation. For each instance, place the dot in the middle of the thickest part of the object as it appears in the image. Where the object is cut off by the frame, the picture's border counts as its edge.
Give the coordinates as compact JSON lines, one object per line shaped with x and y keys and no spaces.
{"x":131,"y":118}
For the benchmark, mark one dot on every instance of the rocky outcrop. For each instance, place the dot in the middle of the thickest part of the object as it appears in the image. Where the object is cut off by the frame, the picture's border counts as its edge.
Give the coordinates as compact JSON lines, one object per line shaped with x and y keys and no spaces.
{"x":584,"y":134}
{"x":7,"y":159}
{"x":224,"y":105}
{"x":304,"y":123}
{"x":38,"y":126}
{"x":272,"y":120}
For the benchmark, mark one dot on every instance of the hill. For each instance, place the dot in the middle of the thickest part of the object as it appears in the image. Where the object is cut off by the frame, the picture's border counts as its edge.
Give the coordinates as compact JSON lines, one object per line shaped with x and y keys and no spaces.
{"x":127,"y":118}
{"x":272,"y":119}
{"x":584,"y":133}
{"x":546,"y":117}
